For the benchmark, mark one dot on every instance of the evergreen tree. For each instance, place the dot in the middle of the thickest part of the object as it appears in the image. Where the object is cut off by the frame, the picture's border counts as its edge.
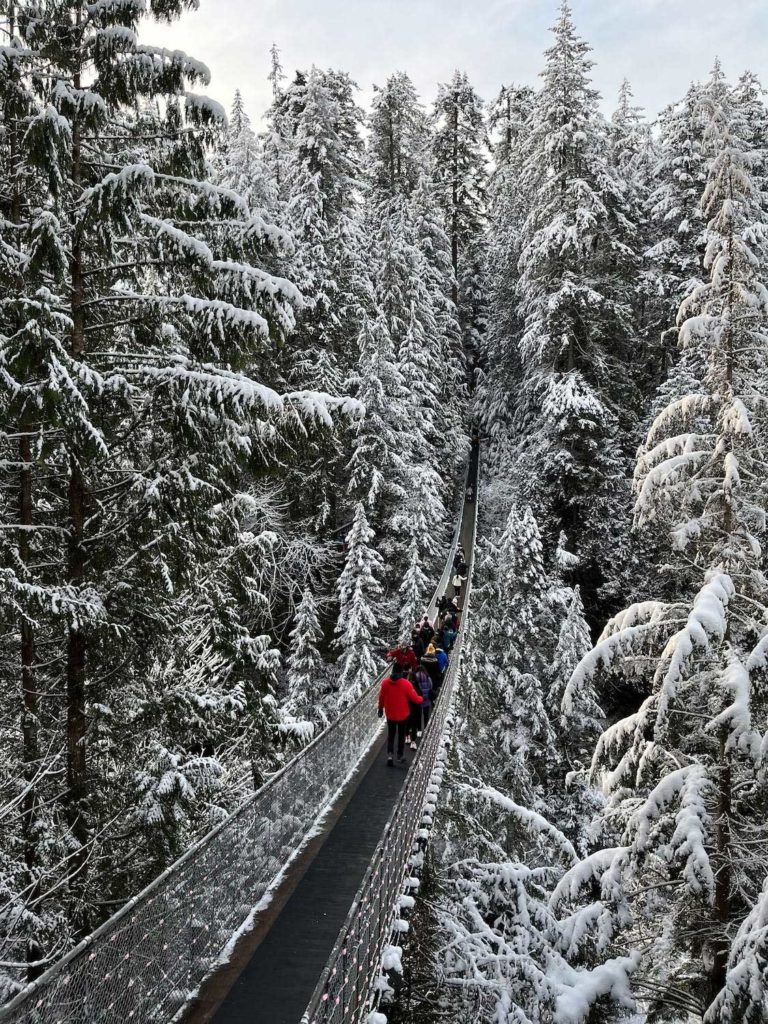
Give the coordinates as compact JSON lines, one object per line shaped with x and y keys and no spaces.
{"x":749,"y":96}
{"x":275,"y":138}
{"x":359,"y":592}
{"x":577,"y":386}
{"x":522,"y":731}
{"x":447,"y":363}
{"x":677,"y":186}
{"x":399,"y":138}
{"x":22,"y":202}
{"x":376,"y":467}
{"x":498,"y":378}
{"x":239,"y":163}
{"x":412,"y":592}
{"x":703,"y":458}
{"x":412,"y":323}
{"x":322,"y":180}
{"x":580,"y":718}
{"x":411,"y":273}
{"x":522,"y":579}
{"x":632,"y":155}
{"x":460,"y":153}
{"x":307,"y":695}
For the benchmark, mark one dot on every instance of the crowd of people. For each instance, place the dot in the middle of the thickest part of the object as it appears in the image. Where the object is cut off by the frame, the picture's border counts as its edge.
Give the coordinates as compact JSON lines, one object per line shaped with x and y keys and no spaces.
{"x":408,"y":694}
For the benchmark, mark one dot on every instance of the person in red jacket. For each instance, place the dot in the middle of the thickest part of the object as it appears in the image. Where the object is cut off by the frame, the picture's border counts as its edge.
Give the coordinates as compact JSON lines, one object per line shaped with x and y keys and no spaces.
{"x":405,"y":657}
{"x":395,"y":698}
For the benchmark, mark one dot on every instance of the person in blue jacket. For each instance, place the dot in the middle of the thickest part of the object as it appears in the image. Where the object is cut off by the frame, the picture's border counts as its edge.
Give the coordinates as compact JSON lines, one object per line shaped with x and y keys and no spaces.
{"x":442,"y":658}
{"x":449,"y":636}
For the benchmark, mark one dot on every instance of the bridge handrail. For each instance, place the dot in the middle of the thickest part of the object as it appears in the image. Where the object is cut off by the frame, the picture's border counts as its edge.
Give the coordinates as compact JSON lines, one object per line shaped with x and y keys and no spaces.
{"x":156,"y":950}
{"x":345,"y":993}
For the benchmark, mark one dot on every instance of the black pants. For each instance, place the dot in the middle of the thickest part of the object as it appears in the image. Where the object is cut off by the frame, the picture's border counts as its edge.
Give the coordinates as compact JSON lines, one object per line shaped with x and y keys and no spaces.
{"x":434,"y":673}
{"x":399,"y":728}
{"x":418,"y":720}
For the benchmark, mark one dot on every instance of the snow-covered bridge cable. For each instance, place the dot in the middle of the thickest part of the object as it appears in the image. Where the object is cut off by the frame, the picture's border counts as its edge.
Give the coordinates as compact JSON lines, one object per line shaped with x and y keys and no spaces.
{"x":147,"y":961}
{"x":347,"y":991}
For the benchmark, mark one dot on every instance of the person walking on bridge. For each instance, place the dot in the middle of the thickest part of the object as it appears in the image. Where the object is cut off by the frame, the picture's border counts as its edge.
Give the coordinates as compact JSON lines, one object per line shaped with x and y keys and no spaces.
{"x":420,"y":713}
{"x":453,"y":616}
{"x":458,"y":581}
{"x":449,"y":635}
{"x":430,"y":663}
{"x":404,"y":656}
{"x":395,"y":698}
{"x":442,"y":658}
{"x":426,"y":630}
{"x":418,"y":644}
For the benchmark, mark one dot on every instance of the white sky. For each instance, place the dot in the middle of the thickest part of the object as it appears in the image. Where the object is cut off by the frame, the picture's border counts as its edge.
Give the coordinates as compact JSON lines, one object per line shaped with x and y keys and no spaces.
{"x":660,"y":45}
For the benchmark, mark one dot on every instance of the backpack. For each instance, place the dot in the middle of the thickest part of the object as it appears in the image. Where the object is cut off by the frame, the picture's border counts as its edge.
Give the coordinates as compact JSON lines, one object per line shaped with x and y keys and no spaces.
{"x":423,"y":683}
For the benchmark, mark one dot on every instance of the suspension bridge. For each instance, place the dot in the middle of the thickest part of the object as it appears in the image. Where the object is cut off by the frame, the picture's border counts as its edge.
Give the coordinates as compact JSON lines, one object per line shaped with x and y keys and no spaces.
{"x":287,"y":912}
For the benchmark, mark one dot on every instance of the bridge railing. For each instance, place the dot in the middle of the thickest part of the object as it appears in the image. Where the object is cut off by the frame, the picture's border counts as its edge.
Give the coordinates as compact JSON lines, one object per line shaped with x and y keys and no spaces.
{"x":346,"y":992}
{"x":149,"y":959}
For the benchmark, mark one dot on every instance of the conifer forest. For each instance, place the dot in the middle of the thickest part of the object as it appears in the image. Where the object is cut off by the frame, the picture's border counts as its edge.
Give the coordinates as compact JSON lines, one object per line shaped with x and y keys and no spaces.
{"x":242,"y":362}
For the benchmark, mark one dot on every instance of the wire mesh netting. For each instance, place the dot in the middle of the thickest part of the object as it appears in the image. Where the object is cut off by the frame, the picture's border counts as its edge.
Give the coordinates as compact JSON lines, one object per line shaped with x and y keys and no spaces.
{"x":145,"y":962}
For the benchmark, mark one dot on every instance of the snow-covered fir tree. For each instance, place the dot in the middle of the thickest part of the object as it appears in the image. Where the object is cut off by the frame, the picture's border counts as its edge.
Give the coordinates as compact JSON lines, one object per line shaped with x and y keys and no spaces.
{"x":579,"y":720}
{"x":633,"y":156}
{"x":451,"y":357}
{"x":359,"y":593}
{"x":400,"y":137}
{"x":499,"y":371}
{"x":276,"y":135}
{"x":307,"y":678}
{"x":322,"y":182}
{"x":413,"y":591}
{"x":376,"y":467}
{"x":577,"y":387}
{"x":239,"y":162}
{"x":460,"y":153}
{"x":677,"y":184}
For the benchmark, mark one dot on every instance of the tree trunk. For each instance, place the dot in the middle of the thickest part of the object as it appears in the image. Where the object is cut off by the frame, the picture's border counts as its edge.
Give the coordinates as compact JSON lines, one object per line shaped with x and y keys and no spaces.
{"x":77,"y":762}
{"x":509,"y":125}
{"x":30,"y":722}
{"x":455,"y":203}
{"x":391,"y":154}
{"x":720,"y":943}
{"x":30,"y":717}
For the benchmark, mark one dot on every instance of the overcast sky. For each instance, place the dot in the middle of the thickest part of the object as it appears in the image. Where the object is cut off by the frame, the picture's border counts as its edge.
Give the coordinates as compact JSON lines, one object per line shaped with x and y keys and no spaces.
{"x":660,"y":45}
